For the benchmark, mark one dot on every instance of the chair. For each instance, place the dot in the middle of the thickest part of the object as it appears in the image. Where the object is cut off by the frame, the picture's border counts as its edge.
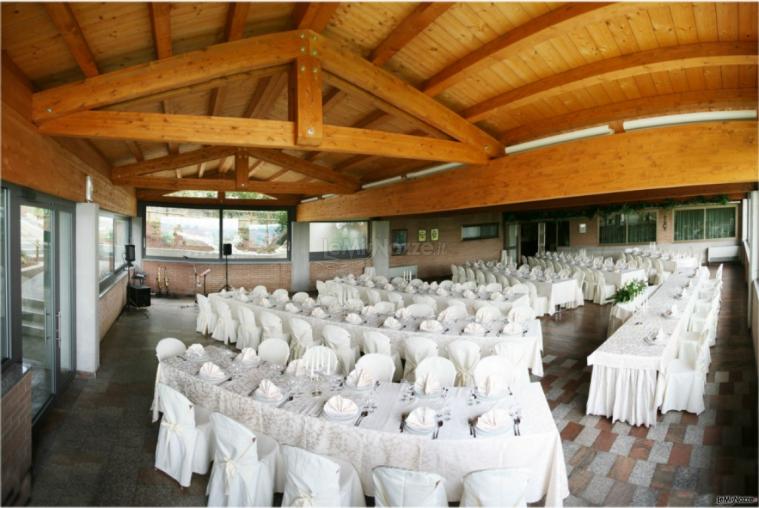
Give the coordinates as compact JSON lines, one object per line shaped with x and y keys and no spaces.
{"x":315,"y":480}
{"x":704,"y":319}
{"x":416,"y":350}
{"x":396,"y":299}
{"x":418,"y":310}
{"x":470,"y":276}
{"x":685,"y":377}
{"x":302,"y":337}
{"x":504,"y":280}
{"x":604,"y":291}
{"x":579,"y":277}
{"x":480,"y":277}
{"x":274,"y":351}
{"x":500,"y":367}
{"x":487,"y":314}
{"x":300,"y":297}
{"x":280,"y":295}
{"x":248,"y":332}
{"x":206,"y":321}
{"x":327,"y":300}
{"x":377,"y":342}
{"x":462,"y":274}
{"x":244,"y":465}
{"x":402,"y":487}
{"x":490,"y":278}
{"x":453,"y":313}
{"x":518,"y":355}
{"x":520,"y":288}
{"x":272,"y":326}
{"x":373,"y":296}
{"x":184,"y":445}
{"x":589,"y":284}
{"x":538,"y":303}
{"x":521,"y":314}
{"x":505,"y":487}
{"x":454,"y":273}
{"x":259,"y":291}
{"x":379,"y":367}
{"x":321,"y":359}
{"x":384,"y":308}
{"x":442,"y":368}
{"x":226,"y":325}
{"x":168,"y":347}
{"x":464,"y":354}
{"x":426,"y":300}
{"x":661,"y":273}
{"x":494,"y":287}
{"x":339,"y":340}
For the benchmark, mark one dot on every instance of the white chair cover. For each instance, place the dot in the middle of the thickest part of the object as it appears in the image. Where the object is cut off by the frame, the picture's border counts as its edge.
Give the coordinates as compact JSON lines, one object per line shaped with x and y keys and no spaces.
{"x":453,"y":313}
{"x":417,"y":310}
{"x":274,"y":351}
{"x":377,"y":366}
{"x":416,"y":350}
{"x":519,"y":289}
{"x":248,"y":333}
{"x":321,"y":359}
{"x":315,"y":480}
{"x":499,"y":367}
{"x":272,"y":326}
{"x":169,"y":347}
{"x":521,"y":314}
{"x":496,"y":487}
{"x":426,"y":300}
{"x":206,"y":321}
{"x":244,"y":466}
{"x":373,"y":296}
{"x":402,"y":487}
{"x":539,"y":303}
{"x":300,"y":297}
{"x":377,"y":342}
{"x":519,"y":357}
{"x":464,"y":354}
{"x":442,"y":368}
{"x":259,"y":291}
{"x":226,"y":325}
{"x":604,"y":291}
{"x":302,"y":337}
{"x":327,"y":300}
{"x":339,"y":340}
{"x":384,"y":308}
{"x":488,"y":314}
{"x":685,"y":378}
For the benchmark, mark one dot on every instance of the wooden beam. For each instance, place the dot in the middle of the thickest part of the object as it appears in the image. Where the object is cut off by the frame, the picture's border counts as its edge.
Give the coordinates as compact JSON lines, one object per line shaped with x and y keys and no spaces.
{"x":267,"y":91}
{"x":313,"y":15}
{"x":237,"y":15}
{"x":388,"y":87}
{"x":631,"y":64}
{"x":223,"y":184}
{"x":696,"y":154}
{"x":136,"y":151}
{"x":160,"y":21}
{"x":167,"y":74}
{"x":170,"y":162}
{"x":253,"y":168}
{"x":305,"y":104}
{"x":244,"y":132}
{"x":242,"y":165}
{"x":562,"y":20}
{"x":685,"y":102}
{"x":63,"y":18}
{"x":159,"y":196}
{"x":226,"y":164}
{"x":411,"y":26}
{"x":303,"y":167}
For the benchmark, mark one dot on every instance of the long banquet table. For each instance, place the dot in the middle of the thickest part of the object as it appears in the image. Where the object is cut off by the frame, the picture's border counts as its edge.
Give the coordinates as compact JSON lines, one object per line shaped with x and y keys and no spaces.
{"x":626,"y":369}
{"x":378,"y":440}
{"x":532,"y":339}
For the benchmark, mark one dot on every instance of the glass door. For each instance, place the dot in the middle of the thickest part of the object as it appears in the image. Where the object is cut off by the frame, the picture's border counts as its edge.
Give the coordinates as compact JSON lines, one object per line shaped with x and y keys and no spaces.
{"x":64,"y":325}
{"x":512,"y":242}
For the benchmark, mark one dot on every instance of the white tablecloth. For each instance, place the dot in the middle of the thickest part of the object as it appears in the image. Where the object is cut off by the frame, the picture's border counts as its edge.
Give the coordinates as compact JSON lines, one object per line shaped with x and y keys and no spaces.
{"x":378,"y":440}
{"x":533,"y":339}
{"x":626,"y":369}
{"x":621,"y":312}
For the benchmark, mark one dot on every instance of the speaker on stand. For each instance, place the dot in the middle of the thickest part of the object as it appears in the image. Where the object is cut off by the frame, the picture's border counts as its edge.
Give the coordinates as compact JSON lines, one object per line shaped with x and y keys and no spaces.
{"x":138,"y":297}
{"x":227,"y":251}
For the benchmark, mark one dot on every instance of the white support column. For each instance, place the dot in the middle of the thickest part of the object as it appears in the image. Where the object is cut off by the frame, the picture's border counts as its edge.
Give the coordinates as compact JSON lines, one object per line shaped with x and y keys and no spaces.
{"x":299,"y":268}
{"x":381,"y":247}
{"x":87,"y":333}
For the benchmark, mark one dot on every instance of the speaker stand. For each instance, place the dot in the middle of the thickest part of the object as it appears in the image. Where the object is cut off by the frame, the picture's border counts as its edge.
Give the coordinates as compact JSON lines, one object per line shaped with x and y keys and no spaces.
{"x":226,"y":273}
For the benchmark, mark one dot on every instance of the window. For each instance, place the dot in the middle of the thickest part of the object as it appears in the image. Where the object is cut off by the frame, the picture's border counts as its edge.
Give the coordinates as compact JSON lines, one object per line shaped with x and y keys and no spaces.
{"x":479,"y":231}
{"x":245,"y":195}
{"x":705,"y":223}
{"x":5,"y":349}
{"x":338,"y":240}
{"x":399,"y":242}
{"x":194,"y":194}
{"x":630,"y":227}
{"x":256,"y":233}
{"x":113,"y":235}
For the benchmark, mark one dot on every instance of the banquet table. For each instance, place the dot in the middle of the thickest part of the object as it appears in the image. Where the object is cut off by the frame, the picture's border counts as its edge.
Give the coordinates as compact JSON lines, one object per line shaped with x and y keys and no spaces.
{"x":621,"y":312}
{"x":532,"y":337}
{"x":378,"y":440}
{"x":627,"y":371}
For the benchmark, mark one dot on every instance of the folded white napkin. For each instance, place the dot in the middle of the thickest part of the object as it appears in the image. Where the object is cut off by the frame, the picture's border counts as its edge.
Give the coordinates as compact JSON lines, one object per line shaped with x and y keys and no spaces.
{"x":410,"y":289}
{"x":441,"y":292}
{"x":241,"y":290}
{"x":497,"y":296}
{"x":212,"y":372}
{"x":661,"y":335}
{"x":431,"y":326}
{"x":434,"y":285}
{"x":457,"y":288}
{"x":319,"y":313}
{"x":392,"y":323}
{"x":389,"y":287}
{"x":421,"y":419}
{"x":268,"y":391}
{"x":359,"y":378}
{"x":512,"y":328}
{"x":369,"y":284}
{"x":308,"y":302}
{"x":493,"y":420}
{"x":297,"y":367}
{"x":470,"y":294}
{"x":263,"y":302}
{"x":195,"y":350}
{"x":369,"y":310}
{"x":291,"y":307}
{"x":338,"y":406}
{"x":353,"y":319}
{"x":247,"y":354}
{"x":474,"y":329}
{"x":428,"y":385}
{"x":490,"y":386}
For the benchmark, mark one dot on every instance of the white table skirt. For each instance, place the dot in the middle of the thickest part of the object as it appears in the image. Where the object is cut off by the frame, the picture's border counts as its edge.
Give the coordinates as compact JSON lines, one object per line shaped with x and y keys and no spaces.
{"x":622,"y":277}
{"x":560,"y":292}
{"x":378,"y":440}
{"x":533,"y":338}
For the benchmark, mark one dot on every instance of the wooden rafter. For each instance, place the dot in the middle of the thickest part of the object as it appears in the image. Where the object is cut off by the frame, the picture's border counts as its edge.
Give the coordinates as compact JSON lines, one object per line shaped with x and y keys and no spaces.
{"x":160,"y":22}
{"x":242,"y":170}
{"x":303,"y":167}
{"x":306,"y":101}
{"x":244,"y":132}
{"x":225,"y":184}
{"x":313,"y":15}
{"x":253,"y":167}
{"x":237,"y":14}
{"x":170,"y":162}
{"x":684,"y":102}
{"x":657,"y":60}
{"x":136,"y":151}
{"x":266,"y":93}
{"x":63,"y":18}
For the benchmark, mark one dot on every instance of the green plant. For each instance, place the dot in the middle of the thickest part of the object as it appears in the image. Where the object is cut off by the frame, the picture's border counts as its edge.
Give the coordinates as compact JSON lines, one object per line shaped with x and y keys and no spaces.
{"x":629,"y":291}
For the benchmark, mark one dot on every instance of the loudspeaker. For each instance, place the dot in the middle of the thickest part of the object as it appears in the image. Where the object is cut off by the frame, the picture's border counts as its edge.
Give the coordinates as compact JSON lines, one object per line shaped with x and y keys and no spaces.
{"x":138,"y":296}
{"x":227,"y":249}
{"x":129,"y":252}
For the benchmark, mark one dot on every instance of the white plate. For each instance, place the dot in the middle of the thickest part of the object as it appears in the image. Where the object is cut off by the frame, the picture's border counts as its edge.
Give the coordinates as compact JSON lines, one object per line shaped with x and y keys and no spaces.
{"x":268,"y":401}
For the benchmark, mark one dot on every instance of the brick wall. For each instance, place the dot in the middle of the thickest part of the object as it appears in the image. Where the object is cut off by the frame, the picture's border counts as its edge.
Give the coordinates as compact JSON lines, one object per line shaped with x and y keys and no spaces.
{"x":181,"y":278}
{"x":434,"y":259}
{"x":17,"y":441}
{"x":110,"y":305}
{"x":325,"y":270}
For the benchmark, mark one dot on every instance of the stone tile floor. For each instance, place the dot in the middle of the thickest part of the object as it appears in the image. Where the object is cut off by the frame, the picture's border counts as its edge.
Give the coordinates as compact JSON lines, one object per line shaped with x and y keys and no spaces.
{"x":96,"y":445}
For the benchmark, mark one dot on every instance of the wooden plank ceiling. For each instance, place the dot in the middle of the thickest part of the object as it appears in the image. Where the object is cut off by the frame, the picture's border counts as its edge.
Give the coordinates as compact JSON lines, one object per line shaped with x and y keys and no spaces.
{"x":344,"y":94}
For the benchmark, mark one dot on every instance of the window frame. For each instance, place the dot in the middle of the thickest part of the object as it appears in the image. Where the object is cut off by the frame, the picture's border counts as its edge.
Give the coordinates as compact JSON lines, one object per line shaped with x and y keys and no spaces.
{"x":343,"y":255}
{"x":627,"y":241}
{"x":481,"y":237}
{"x":704,"y":208}
{"x":142,"y":213}
{"x":108,"y":280}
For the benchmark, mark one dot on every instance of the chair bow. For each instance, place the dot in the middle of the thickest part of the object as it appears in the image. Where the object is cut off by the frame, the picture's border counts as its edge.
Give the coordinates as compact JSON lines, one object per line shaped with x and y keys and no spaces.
{"x":303,"y":499}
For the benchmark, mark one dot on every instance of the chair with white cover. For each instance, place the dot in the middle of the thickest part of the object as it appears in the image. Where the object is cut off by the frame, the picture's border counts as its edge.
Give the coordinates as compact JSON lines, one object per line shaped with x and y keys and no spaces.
{"x":604,"y":291}
{"x":453,"y":313}
{"x":184,"y":445}
{"x":259,"y":291}
{"x":521,"y":314}
{"x":490,"y":277}
{"x":373,"y":296}
{"x":488,"y":314}
{"x":300,"y":297}
{"x":470,"y":276}
{"x":206,"y":321}
{"x":579,"y":277}
{"x":396,"y":299}
{"x":168,"y":347}
{"x":403,"y":487}
{"x":504,"y":280}
{"x":226,"y":325}
{"x":379,"y":343}
{"x":589,"y":284}
{"x":272,"y":326}
{"x":280,"y":295}
{"x":426,"y":300}
{"x":500,"y":367}
{"x":377,"y":366}
{"x":704,"y":319}
{"x":518,"y":355}
{"x":418,"y":310}
{"x":321,"y":359}
{"x":520,"y":289}
{"x":327,"y":300}
{"x":539,"y":303}
{"x":340,"y":341}
{"x":274,"y":351}
{"x":384,"y":308}
{"x":505,"y":487}
{"x":416,"y":350}
{"x":685,"y":377}
{"x":464,"y":354}
{"x":244,"y":466}
{"x":317,"y":480}
{"x":462,"y":274}
{"x":248,"y":332}
{"x":661,"y":273}
{"x":454,"y":273}
{"x":301,"y":337}
{"x":442,"y":368}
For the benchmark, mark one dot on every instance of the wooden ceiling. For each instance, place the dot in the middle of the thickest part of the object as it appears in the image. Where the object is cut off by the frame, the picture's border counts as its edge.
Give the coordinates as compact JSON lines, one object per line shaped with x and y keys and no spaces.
{"x":400,"y":86}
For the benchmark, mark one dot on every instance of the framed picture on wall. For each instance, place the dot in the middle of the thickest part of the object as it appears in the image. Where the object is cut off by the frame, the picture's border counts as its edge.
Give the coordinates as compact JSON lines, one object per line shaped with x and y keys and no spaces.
{"x":421,"y":235}
{"x":434,"y":234}
{"x":398,"y":242}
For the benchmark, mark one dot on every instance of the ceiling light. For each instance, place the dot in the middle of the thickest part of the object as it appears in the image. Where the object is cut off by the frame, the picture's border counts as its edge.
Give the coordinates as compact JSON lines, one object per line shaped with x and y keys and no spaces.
{"x":379,"y":183}
{"x":309,"y":200}
{"x":601,"y":130}
{"x":703,"y":116}
{"x":434,"y":169}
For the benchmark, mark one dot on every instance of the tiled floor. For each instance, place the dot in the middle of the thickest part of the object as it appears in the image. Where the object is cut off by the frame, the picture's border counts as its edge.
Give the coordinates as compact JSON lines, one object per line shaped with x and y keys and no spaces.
{"x":96,"y":445}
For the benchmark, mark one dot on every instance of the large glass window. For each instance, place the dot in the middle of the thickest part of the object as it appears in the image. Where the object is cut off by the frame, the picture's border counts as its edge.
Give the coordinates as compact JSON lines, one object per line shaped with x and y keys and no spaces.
{"x":479,"y":231}
{"x":705,"y":223}
{"x":5,"y":350}
{"x":178,"y":232}
{"x":631,"y":227}
{"x":105,"y":246}
{"x":338,"y":240}
{"x":256,"y":233}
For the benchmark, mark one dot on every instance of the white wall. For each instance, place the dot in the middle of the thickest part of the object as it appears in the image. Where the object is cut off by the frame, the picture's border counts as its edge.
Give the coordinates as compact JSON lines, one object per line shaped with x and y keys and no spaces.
{"x":87,"y":333}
